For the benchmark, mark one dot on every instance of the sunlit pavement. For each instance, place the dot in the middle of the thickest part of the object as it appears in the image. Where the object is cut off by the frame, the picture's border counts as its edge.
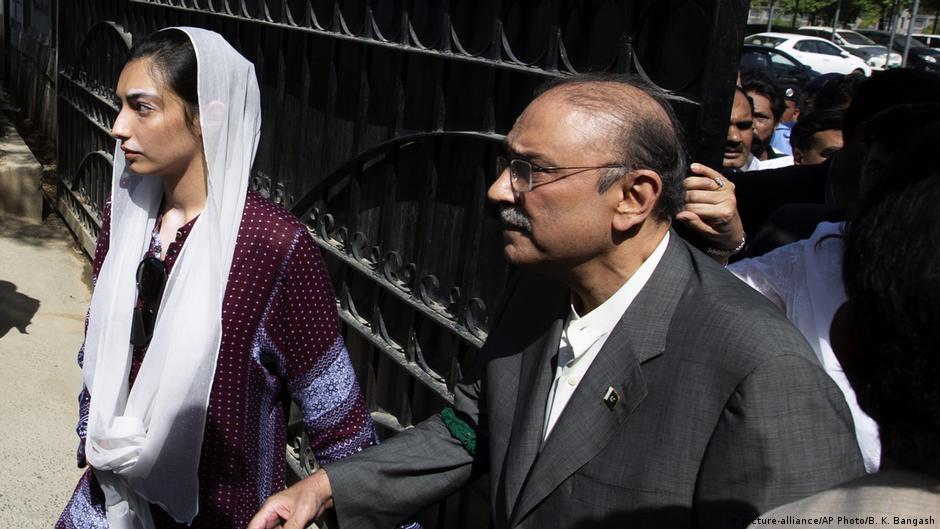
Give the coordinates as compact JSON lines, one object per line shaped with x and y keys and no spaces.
{"x":44,"y":294}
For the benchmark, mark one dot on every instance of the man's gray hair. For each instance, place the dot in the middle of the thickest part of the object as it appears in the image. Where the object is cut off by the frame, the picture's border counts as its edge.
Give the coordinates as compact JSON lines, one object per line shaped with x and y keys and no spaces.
{"x":643,"y":137}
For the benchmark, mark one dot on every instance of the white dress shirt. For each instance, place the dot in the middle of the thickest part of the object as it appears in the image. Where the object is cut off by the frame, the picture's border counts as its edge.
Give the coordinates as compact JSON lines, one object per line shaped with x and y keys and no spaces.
{"x":584,"y":336}
{"x":774,"y":163}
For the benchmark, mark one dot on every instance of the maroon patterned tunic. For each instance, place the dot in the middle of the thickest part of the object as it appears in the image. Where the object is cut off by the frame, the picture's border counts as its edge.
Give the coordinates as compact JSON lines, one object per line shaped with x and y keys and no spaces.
{"x":280,"y":342}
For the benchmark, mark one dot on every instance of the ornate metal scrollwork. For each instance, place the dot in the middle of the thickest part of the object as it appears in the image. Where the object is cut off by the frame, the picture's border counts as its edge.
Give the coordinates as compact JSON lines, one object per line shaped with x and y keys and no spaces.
{"x":474,"y":314}
{"x":382,"y":331}
{"x":397,"y":273}
{"x":358,"y":246}
{"x":416,"y":352}
{"x":348,"y":304}
{"x":339,"y":237}
{"x":427,"y":287}
{"x":280,"y":196}
{"x":325,"y":226}
{"x":261,"y":184}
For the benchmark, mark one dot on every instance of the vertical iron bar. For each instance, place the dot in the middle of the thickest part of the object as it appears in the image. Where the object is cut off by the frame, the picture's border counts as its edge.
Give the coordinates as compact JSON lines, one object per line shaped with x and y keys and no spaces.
{"x":910,"y":31}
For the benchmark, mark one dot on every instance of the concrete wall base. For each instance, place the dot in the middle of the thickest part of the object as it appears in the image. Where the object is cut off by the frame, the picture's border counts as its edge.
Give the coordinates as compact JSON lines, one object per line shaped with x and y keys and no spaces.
{"x":83,"y":223}
{"x":20,"y":176}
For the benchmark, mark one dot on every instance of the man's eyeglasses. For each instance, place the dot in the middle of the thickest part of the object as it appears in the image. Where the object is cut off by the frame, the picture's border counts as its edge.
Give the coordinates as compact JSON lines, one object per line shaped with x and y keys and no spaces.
{"x":151,"y":279}
{"x":521,"y":172}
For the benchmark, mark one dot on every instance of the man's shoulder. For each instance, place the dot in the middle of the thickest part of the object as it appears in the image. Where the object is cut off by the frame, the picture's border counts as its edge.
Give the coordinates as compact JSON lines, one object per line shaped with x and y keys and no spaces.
{"x":731,"y":322}
{"x":713,"y":287}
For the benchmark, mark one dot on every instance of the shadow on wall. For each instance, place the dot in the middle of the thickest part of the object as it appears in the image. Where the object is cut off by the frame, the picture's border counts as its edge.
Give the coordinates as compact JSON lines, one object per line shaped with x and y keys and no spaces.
{"x":16,"y":309}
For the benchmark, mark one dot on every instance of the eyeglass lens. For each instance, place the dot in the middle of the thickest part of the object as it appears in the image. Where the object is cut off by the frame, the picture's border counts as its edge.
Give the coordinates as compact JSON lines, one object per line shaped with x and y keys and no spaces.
{"x":520,"y":174}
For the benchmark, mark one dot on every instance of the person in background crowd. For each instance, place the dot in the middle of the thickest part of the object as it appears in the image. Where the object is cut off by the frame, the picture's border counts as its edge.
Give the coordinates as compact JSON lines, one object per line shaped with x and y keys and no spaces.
{"x":780,"y":141}
{"x":709,"y":219}
{"x":189,"y":370}
{"x":816,"y":137}
{"x":888,"y":341}
{"x":768,"y":108}
{"x":808,"y":97}
{"x":887,"y":133}
{"x":792,"y":95}
{"x":628,"y":380}
{"x":737,"y":156}
{"x":784,"y":205}
{"x":837,"y":92}
{"x":803,"y":278}
{"x":897,"y":86}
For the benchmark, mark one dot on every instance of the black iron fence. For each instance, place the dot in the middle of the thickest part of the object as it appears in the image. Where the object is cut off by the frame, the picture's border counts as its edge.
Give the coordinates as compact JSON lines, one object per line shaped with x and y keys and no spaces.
{"x":382,"y":119}
{"x":28,"y":61}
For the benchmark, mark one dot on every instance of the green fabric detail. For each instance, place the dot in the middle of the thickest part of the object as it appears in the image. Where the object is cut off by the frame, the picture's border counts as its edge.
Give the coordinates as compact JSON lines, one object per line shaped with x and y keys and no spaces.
{"x":459,"y":428}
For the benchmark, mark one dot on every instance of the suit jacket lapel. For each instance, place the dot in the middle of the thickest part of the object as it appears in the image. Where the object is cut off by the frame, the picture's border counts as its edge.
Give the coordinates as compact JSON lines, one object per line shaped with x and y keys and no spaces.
{"x":587,"y":424}
{"x":534,"y":383}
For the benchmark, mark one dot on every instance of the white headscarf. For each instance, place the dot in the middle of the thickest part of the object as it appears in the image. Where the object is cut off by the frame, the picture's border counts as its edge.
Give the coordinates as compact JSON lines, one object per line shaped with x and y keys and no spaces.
{"x":145,"y":444}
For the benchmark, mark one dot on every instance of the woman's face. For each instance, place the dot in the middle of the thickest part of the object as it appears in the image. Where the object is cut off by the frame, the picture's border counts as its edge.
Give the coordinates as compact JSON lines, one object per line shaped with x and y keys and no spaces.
{"x":152,"y":127}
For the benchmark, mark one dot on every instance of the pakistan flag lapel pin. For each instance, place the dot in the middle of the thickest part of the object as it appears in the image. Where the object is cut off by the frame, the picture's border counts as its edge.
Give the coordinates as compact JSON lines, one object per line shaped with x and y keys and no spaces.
{"x":611,"y":398}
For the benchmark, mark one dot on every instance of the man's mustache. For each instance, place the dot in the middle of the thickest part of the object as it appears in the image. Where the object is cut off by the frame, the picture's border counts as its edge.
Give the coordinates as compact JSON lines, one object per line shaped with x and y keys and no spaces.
{"x":734,"y":147}
{"x":514,"y":217}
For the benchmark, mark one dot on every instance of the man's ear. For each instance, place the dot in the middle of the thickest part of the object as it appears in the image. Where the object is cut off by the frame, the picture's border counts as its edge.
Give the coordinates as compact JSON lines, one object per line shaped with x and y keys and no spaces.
{"x":637,"y":195}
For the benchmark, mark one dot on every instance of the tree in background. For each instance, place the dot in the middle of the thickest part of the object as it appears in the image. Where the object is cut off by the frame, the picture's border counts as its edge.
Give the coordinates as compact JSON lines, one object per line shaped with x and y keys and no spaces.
{"x":933,"y":7}
{"x":817,"y":11}
{"x":887,"y":11}
{"x":891,"y":8}
{"x":822,"y":12}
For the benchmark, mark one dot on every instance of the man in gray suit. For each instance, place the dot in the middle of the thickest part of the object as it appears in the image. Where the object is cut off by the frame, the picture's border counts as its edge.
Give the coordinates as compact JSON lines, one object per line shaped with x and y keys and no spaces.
{"x":628,"y":380}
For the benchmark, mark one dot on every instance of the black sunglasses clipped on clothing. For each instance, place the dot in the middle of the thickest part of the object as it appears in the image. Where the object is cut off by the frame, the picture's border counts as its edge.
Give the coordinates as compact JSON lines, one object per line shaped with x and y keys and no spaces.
{"x":151,"y":279}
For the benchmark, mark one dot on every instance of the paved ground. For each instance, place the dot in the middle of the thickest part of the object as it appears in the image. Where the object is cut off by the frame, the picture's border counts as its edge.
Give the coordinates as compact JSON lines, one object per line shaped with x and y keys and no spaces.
{"x":44,"y":293}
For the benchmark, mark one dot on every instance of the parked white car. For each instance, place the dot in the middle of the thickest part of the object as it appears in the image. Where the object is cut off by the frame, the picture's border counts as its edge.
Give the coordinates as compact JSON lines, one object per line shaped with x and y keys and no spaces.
{"x":874,"y":54}
{"x":819,"y":54}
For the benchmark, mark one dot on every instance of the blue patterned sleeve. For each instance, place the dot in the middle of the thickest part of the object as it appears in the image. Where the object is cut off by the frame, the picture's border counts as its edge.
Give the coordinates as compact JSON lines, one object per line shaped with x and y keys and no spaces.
{"x":84,"y":399}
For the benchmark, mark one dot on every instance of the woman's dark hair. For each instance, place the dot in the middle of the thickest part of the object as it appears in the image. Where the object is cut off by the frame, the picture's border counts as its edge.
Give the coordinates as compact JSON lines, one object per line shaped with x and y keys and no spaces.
{"x":174,"y":61}
{"x":891,"y":273}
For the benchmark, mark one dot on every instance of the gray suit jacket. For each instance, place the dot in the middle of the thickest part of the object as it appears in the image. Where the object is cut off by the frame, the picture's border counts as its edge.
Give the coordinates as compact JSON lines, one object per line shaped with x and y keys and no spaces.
{"x":724,"y":413}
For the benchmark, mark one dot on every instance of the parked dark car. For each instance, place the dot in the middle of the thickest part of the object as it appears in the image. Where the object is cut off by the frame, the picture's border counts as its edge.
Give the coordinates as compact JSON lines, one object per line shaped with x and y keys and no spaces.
{"x":931,"y":40}
{"x":781,"y":66}
{"x":919,"y":57}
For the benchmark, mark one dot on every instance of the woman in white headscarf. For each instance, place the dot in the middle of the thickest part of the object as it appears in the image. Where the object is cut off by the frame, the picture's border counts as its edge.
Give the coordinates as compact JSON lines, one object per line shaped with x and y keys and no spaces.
{"x":211,"y":309}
